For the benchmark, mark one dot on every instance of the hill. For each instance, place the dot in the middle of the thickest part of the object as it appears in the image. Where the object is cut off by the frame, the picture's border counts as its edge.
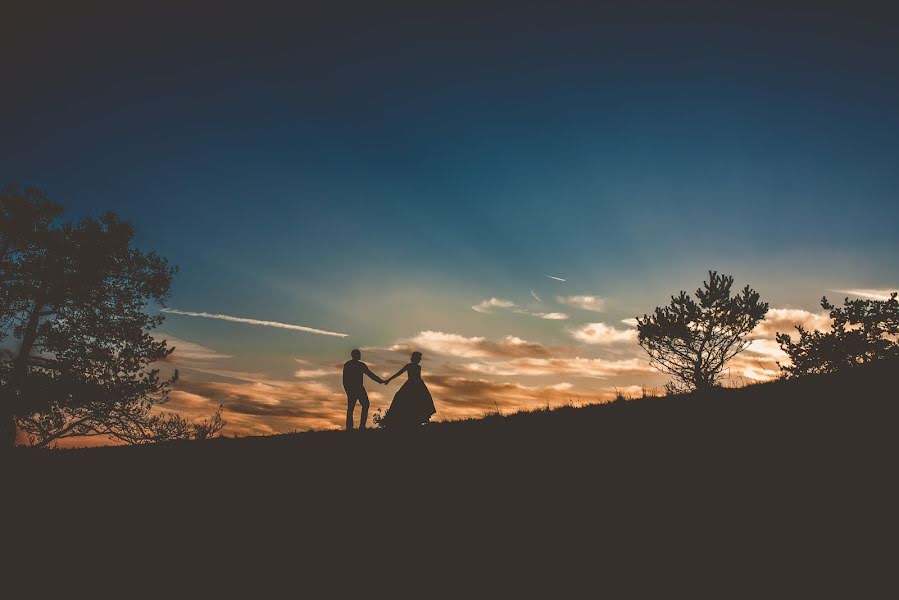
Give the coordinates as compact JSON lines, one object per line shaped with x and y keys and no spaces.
{"x":780,"y":489}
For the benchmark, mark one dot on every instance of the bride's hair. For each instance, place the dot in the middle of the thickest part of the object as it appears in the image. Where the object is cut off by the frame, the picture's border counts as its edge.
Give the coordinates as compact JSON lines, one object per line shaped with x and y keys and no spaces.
{"x":416,"y":357}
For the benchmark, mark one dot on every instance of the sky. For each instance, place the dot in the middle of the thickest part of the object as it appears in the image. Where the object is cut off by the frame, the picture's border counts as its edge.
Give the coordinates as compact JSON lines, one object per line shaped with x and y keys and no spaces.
{"x":502,"y":186}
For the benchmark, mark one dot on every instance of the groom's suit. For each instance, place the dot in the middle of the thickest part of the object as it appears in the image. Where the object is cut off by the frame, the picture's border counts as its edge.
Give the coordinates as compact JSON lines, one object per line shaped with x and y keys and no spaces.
{"x":353,"y":370}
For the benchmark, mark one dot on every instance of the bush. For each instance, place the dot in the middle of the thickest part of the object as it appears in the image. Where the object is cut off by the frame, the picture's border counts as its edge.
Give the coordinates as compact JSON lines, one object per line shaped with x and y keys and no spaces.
{"x":863,"y":331}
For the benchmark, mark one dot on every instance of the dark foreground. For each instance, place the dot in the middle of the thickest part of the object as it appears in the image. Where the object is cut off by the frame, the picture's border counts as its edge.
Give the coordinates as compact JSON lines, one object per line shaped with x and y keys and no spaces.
{"x":779,"y":490}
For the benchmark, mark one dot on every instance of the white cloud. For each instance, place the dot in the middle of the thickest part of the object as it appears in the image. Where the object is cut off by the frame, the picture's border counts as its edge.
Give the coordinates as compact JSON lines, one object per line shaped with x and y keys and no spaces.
{"x":785,"y":320}
{"x":591,"y":303}
{"x":313,"y":373}
{"x":445,"y":343}
{"x":562,"y":387}
{"x":453,"y":344}
{"x":768,"y":348}
{"x":597,"y":368}
{"x":629,"y":391}
{"x":221,"y":317}
{"x":760,"y":373}
{"x":190,"y":350}
{"x":553,"y":316}
{"x":487,"y":306}
{"x":868,"y":293}
{"x":600,"y":333}
{"x":631,"y":322}
{"x":758,"y":363}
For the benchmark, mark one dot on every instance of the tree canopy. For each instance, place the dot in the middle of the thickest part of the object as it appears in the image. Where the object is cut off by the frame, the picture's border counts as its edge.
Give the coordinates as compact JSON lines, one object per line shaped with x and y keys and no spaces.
{"x":692,"y":340}
{"x":862,"y":331}
{"x":78,"y":345}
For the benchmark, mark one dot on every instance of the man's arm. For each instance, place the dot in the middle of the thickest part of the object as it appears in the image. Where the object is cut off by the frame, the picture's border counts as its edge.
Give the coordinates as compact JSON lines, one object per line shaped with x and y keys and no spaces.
{"x":368,"y":372}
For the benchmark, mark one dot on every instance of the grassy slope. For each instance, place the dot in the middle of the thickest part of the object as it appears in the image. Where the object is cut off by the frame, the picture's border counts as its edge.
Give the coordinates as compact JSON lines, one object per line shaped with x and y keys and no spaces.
{"x":785,"y":489}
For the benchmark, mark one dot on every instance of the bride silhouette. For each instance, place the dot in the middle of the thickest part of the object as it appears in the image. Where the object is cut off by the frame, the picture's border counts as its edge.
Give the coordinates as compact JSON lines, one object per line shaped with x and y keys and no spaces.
{"x":412,"y":405}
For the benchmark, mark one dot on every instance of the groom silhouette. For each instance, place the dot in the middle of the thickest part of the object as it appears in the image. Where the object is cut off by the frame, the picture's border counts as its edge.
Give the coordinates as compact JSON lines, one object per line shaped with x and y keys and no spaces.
{"x":352,"y":382}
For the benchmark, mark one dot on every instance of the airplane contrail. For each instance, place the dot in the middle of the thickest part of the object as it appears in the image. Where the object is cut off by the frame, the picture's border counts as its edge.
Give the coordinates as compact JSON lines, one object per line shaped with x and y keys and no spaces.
{"x":535,"y":296}
{"x":556,"y":278}
{"x":221,"y":317}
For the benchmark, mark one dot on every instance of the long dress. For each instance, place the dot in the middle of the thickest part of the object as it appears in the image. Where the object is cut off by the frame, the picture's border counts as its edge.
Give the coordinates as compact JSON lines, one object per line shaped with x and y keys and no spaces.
{"x":412,"y":405}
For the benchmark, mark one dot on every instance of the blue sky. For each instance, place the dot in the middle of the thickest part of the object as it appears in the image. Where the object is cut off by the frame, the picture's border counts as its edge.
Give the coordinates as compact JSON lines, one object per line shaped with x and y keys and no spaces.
{"x":379,"y":170}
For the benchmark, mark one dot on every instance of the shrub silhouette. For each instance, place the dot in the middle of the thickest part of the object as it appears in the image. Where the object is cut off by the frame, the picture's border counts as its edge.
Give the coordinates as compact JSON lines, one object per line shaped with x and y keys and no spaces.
{"x":860,"y":333}
{"x":692,"y":340}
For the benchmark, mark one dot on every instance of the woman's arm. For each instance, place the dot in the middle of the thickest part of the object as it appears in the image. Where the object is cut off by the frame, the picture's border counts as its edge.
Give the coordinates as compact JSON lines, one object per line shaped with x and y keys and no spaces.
{"x":397,"y":374}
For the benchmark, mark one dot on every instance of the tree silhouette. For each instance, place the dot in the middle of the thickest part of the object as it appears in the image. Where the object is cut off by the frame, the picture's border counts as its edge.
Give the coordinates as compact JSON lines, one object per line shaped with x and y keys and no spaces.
{"x":692,"y":340}
{"x":73,"y":297}
{"x":860,"y":333}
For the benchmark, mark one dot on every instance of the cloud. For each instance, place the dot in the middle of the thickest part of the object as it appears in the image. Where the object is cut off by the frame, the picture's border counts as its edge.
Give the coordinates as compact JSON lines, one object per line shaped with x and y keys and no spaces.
{"x":759,"y":362}
{"x":512,"y":356}
{"x":462,"y":397}
{"x":631,"y":322}
{"x":868,"y":293}
{"x":535,"y":296}
{"x":600,"y":333}
{"x":453,"y":344}
{"x":185,"y":350}
{"x":487,"y":306}
{"x":313,"y":373}
{"x":556,"y":278}
{"x":591,"y":303}
{"x":206,"y":315}
{"x":274,"y":406}
{"x":766,"y":348}
{"x":464,"y":373}
{"x":249,"y":376}
{"x":596,"y":368}
{"x":785,"y":320}
{"x":553,"y":316}
{"x":261,"y":407}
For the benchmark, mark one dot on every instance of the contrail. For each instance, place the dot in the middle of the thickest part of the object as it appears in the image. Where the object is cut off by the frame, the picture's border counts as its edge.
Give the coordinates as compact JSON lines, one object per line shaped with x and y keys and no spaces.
{"x":535,"y":296}
{"x":207,"y":315}
{"x":556,"y":278}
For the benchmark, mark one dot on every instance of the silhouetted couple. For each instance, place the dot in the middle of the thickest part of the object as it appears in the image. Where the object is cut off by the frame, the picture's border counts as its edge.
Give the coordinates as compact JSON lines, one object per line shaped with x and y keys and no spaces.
{"x":412,"y":405}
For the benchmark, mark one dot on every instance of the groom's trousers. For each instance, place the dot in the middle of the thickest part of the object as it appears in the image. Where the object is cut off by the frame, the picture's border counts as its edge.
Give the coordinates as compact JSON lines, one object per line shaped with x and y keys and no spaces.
{"x":352,"y":396}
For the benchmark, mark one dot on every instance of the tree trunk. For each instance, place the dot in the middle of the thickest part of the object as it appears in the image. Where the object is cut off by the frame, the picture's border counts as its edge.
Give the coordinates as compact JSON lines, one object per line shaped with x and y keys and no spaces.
{"x":7,"y":428}
{"x":29,"y":336}
{"x":14,"y":400}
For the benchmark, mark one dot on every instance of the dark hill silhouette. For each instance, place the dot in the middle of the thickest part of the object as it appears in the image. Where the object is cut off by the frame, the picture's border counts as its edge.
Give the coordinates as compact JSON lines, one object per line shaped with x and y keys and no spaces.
{"x":785,"y":489}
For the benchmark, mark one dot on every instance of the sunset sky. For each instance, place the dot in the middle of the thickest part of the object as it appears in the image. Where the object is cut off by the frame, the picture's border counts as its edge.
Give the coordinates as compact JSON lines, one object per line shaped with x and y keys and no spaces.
{"x":424,"y":178}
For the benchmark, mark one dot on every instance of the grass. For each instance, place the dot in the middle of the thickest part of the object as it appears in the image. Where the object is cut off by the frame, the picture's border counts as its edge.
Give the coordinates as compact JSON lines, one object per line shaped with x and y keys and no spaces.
{"x":783,"y":489}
